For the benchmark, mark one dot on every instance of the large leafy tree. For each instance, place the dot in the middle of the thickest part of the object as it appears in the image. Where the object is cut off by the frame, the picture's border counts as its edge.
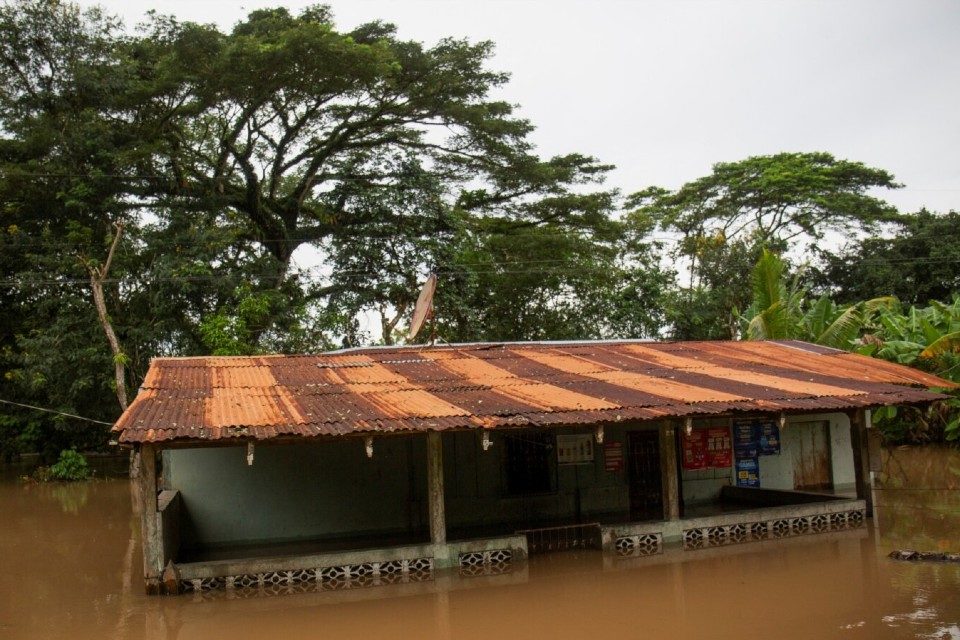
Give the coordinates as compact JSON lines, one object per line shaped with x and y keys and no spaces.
{"x":917,"y":261}
{"x":282,"y":118}
{"x":723,"y":221}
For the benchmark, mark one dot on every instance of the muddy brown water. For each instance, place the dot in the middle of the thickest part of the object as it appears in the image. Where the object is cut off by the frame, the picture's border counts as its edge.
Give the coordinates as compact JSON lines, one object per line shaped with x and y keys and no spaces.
{"x":70,"y":567}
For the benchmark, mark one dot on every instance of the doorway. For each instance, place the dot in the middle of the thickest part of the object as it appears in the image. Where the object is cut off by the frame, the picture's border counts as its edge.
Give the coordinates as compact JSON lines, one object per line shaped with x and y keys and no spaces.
{"x":811,"y":456}
{"x":643,"y":474}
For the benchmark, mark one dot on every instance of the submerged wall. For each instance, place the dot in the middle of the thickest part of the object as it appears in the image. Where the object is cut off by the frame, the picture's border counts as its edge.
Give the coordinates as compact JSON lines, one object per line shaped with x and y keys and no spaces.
{"x":299,"y":491}
{"x":478,"y":496}
{"x":780,"y":471}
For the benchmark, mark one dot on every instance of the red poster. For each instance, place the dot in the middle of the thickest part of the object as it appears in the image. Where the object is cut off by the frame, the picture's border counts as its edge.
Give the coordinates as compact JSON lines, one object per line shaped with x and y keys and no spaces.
{"x":613,"y":456}
{"x":719,"y":448}
{"x":694,"y":447}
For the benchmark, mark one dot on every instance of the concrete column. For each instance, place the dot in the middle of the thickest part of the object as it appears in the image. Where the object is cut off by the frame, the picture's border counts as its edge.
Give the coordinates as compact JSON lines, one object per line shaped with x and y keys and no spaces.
{"x":150,"y":534}
{"x":861,"y":458}
{"x":668,"y":471}
{"x":438,"y":523}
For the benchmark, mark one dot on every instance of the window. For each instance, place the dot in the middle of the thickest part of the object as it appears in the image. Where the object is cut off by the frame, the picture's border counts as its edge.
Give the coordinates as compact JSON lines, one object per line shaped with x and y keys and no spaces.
{"x":529,"y":457}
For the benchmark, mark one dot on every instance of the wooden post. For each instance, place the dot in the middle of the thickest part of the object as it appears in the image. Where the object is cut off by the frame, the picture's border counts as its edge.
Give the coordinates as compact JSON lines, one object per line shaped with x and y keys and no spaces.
{"x":861,"y":457}
{"x":149,"y":525}
{"x":438,"y":524}
{"x":668,"y":472}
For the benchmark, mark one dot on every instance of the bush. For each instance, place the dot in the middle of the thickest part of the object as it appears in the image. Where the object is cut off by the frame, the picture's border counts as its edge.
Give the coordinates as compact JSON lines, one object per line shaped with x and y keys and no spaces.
{"x":70,"y":467}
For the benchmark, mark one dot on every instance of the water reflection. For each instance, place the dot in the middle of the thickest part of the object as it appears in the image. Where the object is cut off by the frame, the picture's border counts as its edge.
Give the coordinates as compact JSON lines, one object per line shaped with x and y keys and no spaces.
{"x":71,"y":567}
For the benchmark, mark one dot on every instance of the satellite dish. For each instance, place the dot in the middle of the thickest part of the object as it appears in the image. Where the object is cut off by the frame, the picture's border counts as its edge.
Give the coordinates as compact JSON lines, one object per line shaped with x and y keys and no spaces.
{"x":424,"y":308}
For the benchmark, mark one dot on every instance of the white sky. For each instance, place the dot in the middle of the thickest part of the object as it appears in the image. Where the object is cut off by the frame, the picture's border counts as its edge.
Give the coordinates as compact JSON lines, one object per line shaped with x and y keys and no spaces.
{"x":664,"y":89}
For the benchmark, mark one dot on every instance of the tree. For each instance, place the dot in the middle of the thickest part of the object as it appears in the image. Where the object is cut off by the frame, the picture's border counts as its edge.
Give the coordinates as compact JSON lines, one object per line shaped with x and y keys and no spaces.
{"x":782,"y":310}
{"x":917,"y":263}
{"x":724,"y":220}
{"x":281,"y":118}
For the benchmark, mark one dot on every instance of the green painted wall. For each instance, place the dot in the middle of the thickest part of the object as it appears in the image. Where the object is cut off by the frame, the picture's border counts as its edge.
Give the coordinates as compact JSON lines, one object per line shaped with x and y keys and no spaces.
{"x":299,"y":491}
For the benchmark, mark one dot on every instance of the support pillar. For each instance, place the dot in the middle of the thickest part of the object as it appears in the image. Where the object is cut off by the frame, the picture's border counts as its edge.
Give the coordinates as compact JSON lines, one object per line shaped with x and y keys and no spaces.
{"x":861,"y":458}
{"x":438,"y":523}
{"x":668,"y":472}
{"x":150,"y":534}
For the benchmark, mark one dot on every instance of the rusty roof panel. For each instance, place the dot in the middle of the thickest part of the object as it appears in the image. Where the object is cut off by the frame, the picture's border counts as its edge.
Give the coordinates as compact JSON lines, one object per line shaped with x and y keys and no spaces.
{"x":421,"y":388}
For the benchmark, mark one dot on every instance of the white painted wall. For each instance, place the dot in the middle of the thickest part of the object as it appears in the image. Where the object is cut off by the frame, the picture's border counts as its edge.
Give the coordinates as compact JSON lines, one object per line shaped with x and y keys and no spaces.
{"x":776,"y":472}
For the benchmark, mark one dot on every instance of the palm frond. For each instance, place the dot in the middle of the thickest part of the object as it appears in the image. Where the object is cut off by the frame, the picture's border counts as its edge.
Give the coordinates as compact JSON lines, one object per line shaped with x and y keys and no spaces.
{"x":944,"y":344}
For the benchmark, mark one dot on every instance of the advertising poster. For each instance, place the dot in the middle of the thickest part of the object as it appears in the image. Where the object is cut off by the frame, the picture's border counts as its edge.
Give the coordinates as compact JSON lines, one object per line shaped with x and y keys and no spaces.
{"x":575,"y":449}
{"x":613,"y":456}
{"x":744,"y":439}
{"x":754,"y":437}
{"x":719,"y":449}
{"x":768,"y":437}
{"x":694,"y":447}
{"x":748,"y":472}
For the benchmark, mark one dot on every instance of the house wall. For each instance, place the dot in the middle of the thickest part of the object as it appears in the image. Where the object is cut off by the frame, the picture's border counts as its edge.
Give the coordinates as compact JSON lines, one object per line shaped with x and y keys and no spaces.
{"x":303,"y":491}
{"x":777,"y":472}
{"x":703,"y":485}
{"x":477,"y":496}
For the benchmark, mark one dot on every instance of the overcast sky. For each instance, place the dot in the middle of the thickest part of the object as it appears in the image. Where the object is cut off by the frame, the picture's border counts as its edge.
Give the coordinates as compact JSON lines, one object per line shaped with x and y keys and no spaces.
{"x":665,"y":89}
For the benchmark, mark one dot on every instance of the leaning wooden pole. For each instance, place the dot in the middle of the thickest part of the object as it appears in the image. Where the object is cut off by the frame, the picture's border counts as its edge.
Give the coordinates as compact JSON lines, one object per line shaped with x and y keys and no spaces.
{"x":97,"y":277}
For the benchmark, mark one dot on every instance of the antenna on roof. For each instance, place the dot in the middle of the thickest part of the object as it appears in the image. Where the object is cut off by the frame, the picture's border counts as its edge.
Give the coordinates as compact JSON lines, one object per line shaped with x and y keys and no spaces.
{"x":424,"y":308}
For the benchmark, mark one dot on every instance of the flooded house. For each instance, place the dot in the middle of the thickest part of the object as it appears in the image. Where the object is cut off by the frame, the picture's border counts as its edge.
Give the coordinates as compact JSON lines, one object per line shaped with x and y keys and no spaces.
{"x":385,"y":464}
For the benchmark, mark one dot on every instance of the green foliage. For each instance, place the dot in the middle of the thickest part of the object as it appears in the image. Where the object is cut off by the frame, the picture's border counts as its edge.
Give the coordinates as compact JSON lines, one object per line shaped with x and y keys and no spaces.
{"x":783,"y":309}
{"x":727,"y":218}
{"x":70,"y":467}
{"x":917,"y":261}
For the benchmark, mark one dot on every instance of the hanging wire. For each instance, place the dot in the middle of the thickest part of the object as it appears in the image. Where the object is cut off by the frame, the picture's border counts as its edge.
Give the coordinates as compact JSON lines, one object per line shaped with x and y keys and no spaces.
{"x":61,"y":413}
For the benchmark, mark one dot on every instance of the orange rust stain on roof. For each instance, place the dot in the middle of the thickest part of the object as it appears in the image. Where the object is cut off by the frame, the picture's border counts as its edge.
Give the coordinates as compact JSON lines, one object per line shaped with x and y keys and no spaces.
{"x":564,"y":362}
{"x":650,"y":384}
{"x":665,"y":387}
{"x":741,"y":375}
{"x":412,"y":403}
{"x":539,"y":394}
{"x":473,"y":369}
{"x":227,"y":408}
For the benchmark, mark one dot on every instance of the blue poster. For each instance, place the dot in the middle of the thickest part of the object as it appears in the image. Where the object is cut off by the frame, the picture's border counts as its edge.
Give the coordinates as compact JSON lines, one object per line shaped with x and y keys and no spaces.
{"x":768,"y":437}
{"x":748,"y":472}
{"x":754,"y":437}
{"x":745,"y":439}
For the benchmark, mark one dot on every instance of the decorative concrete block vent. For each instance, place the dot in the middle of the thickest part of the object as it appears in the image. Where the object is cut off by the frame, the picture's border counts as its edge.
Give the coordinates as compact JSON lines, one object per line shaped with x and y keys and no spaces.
{"x":718,"y":536}
{"x":645,"y":544}
{"x":368,"y":574}
{"x":485,"y":563}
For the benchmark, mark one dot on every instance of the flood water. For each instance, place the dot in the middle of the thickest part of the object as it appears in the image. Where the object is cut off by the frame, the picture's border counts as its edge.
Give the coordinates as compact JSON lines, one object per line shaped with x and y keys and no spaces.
{"x":70,"y":567}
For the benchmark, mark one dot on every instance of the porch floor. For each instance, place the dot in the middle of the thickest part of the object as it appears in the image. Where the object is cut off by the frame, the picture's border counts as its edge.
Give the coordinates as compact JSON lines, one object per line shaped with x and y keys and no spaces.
{"x":274,"y":549}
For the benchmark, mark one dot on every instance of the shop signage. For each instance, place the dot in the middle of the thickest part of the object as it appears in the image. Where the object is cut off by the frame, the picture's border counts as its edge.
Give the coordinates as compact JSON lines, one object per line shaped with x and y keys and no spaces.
{"x":575,"y":449}
{"x":748,"y":472}
{"x":754,"y":437}
{"x":694,"y":449}
{"x":719,"y":450}
{"x":613,"y":456}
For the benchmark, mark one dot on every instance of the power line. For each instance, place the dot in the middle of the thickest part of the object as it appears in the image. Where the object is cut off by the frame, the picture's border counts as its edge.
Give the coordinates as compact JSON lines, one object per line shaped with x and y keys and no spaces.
{"x":69,"y":415}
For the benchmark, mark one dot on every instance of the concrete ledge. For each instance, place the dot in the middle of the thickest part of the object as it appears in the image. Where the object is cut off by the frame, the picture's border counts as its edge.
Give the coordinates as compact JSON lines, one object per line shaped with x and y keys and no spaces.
{"x":244,"y":566}
{"x":516,"y":545}
{"x":673,"y":529}
{"x":441,"y":556}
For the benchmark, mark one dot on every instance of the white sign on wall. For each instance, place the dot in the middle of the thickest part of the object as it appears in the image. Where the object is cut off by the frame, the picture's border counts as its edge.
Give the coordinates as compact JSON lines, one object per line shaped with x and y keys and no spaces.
{"x":576,"y":449}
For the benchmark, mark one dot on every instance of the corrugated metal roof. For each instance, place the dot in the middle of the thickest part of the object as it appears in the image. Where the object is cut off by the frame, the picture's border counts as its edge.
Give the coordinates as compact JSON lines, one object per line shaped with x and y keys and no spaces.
{"x":502,"y":385}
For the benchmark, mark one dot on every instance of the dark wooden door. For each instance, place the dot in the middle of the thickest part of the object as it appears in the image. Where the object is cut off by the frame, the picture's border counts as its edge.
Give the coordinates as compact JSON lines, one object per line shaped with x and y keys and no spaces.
{"x":643,"y":469}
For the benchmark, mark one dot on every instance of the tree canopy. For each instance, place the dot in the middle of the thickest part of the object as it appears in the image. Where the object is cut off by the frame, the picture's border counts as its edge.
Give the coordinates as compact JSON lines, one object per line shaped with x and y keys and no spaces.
{"x":186,"y":190}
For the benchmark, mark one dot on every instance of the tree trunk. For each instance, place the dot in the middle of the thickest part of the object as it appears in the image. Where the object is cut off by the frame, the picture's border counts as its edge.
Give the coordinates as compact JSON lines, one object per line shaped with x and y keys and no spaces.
{"x":97,"y":277}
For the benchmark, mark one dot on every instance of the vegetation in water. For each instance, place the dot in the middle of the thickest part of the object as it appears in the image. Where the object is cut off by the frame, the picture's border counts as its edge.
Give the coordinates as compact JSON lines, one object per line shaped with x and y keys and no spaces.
{"x":178,"y":169}
{"x":72,"y":466}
